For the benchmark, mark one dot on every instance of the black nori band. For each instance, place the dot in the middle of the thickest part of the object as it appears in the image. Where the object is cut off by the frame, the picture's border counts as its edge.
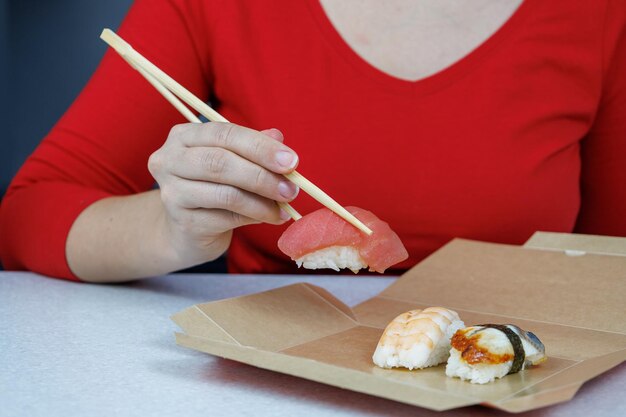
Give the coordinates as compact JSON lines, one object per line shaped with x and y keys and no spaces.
{"x":519,"y":355}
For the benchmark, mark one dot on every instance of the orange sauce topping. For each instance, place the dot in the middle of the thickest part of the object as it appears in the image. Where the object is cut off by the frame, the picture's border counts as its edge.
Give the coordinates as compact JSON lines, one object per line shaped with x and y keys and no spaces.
{"x":472,"y":353}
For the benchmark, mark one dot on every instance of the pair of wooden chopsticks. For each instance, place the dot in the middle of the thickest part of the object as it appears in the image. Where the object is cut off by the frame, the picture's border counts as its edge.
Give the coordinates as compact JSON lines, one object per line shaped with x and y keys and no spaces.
{"x":174,"y":93}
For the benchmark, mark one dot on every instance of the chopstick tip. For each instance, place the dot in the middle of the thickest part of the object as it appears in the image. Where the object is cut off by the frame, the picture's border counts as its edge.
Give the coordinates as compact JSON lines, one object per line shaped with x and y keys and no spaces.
{"x":115,"y":41}
{"x":106,"y":32}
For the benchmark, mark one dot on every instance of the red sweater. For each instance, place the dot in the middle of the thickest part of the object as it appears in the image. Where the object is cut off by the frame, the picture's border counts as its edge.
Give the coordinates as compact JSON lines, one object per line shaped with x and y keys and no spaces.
{"x":526,"y":133}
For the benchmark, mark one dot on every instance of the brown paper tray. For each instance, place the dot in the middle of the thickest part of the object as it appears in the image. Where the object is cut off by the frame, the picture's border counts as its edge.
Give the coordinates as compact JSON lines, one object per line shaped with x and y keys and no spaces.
{"x":572,"y":301}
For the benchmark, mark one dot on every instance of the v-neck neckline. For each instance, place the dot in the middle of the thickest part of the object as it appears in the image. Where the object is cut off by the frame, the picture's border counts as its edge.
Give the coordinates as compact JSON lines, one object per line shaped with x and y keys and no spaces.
{"x":432,"y":82}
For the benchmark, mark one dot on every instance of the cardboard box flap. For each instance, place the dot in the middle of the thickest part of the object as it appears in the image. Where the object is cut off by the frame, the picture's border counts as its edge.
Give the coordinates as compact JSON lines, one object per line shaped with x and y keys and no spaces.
{"x":332,"y":300}
{"x":576,"y":245}
{"x":271,"y":320}
{"x":538,"y":399}
{"x":574,"y":304}
{"x":561,"y":386}
{"x":195,"y":323}
{"x":512,"y":281}
{"x":555,"y":381}
{"x":375,"y":383}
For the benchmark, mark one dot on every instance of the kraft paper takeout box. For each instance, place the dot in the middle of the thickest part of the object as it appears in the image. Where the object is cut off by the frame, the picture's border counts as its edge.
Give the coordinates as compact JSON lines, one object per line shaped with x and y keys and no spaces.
{"x":567,"y":289}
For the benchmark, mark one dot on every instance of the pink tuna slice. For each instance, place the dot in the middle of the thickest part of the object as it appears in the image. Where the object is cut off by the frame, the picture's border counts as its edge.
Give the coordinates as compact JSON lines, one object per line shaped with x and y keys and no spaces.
{"x":323,"y":228}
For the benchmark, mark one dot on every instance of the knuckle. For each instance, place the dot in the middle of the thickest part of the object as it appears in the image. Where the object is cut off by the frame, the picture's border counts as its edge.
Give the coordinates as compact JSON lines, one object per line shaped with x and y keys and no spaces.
{"x":260,"y":179}
{"x":214,"y":161}
{"x":235,"y":219}
{"x":155,"y":163}
{"x":230,"y":197}
{"x":257,"y":149}
{"x":178,"y":130}
{"x":224,"y":134}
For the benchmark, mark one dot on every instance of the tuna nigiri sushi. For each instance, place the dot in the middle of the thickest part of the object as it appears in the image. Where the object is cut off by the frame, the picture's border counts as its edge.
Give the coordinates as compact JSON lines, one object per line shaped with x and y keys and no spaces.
{"x":480,"y":354}
{"x":417,"y":339}
{"x":322,"y":239}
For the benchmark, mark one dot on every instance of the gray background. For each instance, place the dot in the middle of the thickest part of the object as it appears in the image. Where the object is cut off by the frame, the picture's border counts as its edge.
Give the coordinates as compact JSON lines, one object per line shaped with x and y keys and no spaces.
{"x":48,"y":50}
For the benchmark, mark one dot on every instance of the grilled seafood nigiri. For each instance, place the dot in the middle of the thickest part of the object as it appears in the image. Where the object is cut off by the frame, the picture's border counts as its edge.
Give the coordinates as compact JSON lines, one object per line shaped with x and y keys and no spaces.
{"x":417,"y":339}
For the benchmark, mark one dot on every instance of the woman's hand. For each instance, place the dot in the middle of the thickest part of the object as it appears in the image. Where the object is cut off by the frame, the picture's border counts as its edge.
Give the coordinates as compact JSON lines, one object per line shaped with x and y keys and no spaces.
{"x":214,"y":177}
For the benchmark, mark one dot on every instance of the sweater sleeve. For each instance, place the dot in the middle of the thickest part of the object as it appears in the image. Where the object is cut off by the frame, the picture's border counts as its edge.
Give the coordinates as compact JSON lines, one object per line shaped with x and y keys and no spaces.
{"x":603,"y":152}
{"x":100,"y":146}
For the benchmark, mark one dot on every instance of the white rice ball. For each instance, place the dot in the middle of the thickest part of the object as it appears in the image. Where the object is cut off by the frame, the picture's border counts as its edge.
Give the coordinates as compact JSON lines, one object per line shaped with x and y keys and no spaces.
{"x":333,"y":257}
{"x":479,"y":373}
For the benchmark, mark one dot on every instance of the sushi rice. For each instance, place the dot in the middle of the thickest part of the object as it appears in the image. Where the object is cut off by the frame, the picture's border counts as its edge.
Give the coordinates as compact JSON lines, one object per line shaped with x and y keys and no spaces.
{"x":333,"y":257}
{"x":480,"y":373}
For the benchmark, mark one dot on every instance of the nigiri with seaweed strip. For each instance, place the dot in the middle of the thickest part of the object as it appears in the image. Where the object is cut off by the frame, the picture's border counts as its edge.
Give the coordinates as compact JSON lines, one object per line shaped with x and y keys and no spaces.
{"x":482,"y":353}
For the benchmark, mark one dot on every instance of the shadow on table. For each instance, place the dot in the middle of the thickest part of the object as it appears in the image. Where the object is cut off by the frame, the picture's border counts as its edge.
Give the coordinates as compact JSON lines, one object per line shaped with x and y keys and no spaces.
{"x":202,"y":288}
{"x":281,"y":385}
{"x":277,"y":385}
{"x":231,"y":373}
{"x":171,"y":286}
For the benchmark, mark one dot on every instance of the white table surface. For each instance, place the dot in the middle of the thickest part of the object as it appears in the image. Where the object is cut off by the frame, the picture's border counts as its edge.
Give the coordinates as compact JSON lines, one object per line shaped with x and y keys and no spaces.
{"x":69,"y":349}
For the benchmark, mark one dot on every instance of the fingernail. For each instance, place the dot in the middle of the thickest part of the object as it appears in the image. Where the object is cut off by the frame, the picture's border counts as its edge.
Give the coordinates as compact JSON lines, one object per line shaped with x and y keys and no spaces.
{"x":288,"y":189}
{"x":284,"y":215}
{"x":286,"y":159}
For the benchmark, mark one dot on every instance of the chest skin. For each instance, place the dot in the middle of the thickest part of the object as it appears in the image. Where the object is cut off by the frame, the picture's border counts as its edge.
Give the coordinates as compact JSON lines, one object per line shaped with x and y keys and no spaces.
{"x":411,"y":40}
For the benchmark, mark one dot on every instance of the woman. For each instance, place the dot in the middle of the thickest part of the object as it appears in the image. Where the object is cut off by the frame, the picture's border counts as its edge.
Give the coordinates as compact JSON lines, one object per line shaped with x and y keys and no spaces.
{"x":486,"y":120}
